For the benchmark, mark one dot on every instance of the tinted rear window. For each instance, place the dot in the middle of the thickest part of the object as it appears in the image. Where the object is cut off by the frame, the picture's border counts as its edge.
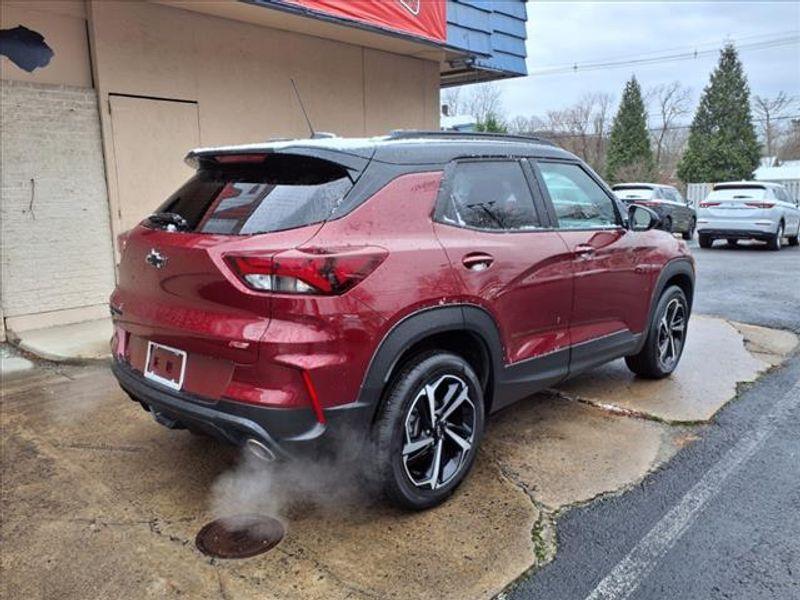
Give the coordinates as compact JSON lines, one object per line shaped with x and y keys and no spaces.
{"x":630,"y":193}
{"x":284,"y":192}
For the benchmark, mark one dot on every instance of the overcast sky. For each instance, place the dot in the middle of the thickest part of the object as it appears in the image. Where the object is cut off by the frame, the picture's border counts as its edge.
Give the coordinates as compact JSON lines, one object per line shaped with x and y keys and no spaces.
{"x":562,"y":33}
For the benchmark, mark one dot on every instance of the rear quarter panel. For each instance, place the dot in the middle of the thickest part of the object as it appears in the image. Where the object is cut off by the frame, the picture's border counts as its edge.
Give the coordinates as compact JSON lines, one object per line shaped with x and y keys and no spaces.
{"x":334,"y":338}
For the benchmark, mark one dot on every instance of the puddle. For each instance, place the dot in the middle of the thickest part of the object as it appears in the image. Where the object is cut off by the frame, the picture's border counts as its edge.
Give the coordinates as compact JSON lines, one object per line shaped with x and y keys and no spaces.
{"x":241,"y":536}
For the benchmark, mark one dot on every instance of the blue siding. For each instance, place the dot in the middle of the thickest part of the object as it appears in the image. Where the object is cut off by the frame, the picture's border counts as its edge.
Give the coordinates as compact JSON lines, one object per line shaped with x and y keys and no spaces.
{"x":493,"y":30}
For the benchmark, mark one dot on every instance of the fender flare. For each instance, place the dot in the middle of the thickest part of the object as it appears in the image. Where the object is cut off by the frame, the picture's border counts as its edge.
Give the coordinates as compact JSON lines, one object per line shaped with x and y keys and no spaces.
{"x":420,"y":325}
{"x":677,"y":266}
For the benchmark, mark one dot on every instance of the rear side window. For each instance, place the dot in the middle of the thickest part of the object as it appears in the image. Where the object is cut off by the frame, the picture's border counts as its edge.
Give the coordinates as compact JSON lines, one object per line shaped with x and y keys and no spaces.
{"x":580,"y":203}
{"x":491,"y":195}
{"x":283,"y":192}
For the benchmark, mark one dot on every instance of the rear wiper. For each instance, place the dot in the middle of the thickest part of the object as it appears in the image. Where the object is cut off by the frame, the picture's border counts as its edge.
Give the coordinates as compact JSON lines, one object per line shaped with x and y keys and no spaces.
{"x":169,"y":221}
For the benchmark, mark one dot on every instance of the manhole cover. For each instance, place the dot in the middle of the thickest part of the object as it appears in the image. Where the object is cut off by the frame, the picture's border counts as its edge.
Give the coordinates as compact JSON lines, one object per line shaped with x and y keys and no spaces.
{"x":240,"y":536}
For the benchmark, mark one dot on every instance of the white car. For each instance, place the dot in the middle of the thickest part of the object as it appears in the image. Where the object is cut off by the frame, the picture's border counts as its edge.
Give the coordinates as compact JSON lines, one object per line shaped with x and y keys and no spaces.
{"x":754,"y":210}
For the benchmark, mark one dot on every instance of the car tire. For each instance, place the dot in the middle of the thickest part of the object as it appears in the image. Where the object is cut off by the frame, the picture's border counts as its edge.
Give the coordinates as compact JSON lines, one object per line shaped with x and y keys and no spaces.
{"x":776,"y":242}
{"x":409,"y":443}
{"x":667,"y":226}
{"x":666,"y":337}
{"x":795,"y":239}
{"x":704,"y":240}
{"x":689,"y":234}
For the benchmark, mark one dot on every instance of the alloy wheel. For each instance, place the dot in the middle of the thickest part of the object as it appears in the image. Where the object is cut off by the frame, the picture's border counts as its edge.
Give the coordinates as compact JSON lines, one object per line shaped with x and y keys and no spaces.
{"x":671,"y":333}
{"x":439,"y":432}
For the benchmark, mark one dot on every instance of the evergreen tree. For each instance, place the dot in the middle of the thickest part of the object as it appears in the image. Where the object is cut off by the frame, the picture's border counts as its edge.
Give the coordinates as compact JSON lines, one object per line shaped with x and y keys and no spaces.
{"x":722,"y":140}
{"x":493,"y":124}
{"x":629,"y":154}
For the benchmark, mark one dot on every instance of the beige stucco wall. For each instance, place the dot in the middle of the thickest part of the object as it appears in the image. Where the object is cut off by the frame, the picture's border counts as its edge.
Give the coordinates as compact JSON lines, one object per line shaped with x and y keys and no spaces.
{"x":239,"y":76}
{"x":236,"y":73}
{"x":63,"y":25}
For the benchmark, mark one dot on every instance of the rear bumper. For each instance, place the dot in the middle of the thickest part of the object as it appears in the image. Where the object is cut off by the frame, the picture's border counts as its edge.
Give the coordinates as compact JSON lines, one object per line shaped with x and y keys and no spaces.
{"x":286,"y":432}
{"x":737,"y":234}
{"x":758,"y":228}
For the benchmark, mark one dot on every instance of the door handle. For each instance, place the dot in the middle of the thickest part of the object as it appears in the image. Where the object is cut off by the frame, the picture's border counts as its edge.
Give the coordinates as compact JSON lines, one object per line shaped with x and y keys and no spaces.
{"x":477,"y":261}
{"x":584,"y":250}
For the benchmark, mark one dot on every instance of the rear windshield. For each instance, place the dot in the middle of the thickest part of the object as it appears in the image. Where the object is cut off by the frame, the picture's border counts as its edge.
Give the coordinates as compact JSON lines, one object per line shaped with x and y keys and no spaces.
{"x":630,"y":193}
{"x":283,"y":192}
{"x":742,"y":193}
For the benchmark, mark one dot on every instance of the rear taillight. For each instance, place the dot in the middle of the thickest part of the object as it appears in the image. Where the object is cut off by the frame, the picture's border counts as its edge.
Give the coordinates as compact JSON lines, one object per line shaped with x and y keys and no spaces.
{"x":707,"y":204}
{"x":760,"y":204}
{"x":316,"y":271}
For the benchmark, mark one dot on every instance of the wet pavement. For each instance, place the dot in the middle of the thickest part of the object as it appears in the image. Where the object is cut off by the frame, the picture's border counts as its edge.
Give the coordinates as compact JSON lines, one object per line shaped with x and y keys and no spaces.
{"x":721,"y":519}
{"x":99,"y":501}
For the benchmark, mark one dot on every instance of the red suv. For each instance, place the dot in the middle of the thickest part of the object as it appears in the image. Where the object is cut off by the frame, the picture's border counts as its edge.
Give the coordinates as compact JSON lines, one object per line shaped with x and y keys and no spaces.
{"x":391,"y":291}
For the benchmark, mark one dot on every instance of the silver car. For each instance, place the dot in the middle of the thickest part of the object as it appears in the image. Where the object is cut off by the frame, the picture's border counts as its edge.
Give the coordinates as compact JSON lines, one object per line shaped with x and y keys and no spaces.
{"x":753,"y":210}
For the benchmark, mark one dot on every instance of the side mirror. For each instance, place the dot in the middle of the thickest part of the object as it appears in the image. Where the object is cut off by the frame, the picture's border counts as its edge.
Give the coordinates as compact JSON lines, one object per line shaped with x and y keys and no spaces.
{"x":641,"y":218}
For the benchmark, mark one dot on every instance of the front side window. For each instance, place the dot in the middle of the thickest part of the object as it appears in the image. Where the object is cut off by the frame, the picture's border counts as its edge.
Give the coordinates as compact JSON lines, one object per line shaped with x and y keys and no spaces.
{"x":580,"y":203}
{"x":492,"y":195}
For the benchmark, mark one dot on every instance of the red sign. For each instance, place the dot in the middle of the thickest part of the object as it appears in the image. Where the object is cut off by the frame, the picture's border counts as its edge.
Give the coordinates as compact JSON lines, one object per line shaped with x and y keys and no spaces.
{"x":423,"y":18}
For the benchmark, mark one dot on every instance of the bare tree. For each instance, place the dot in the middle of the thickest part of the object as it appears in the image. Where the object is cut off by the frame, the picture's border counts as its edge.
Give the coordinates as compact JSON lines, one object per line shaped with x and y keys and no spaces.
{"x":451,"y":98}
{"x":768,"y":111}
{"x":790,"y":143}
{"x":671,"y":102}
{"x":484,"y":100}
{"x":520,"y":125}
{"x":581,"y":128}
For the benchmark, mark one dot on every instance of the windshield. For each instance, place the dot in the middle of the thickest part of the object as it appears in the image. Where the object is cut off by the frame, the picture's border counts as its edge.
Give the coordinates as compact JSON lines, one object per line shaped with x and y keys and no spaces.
{"x":741,"y":193}
{"x":283,"y":192}
{"x":640,"y":193}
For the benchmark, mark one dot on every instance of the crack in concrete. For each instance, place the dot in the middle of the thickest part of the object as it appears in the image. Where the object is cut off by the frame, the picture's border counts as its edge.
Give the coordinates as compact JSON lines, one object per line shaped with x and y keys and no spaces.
{"x":543,"y":532}
{"x":223,"y":590}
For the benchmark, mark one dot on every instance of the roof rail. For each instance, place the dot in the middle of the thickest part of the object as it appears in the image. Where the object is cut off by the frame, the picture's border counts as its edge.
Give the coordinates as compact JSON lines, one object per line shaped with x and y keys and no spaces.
{"x":404,"y":134}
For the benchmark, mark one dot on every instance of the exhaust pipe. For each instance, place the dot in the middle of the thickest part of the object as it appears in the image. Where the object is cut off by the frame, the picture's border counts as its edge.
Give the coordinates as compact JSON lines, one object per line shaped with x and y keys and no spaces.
{"x":259,"y":450}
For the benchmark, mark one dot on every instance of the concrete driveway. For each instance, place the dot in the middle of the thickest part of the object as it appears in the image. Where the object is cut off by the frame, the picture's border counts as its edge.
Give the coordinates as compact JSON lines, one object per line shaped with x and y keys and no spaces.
{"x":100,"y":502}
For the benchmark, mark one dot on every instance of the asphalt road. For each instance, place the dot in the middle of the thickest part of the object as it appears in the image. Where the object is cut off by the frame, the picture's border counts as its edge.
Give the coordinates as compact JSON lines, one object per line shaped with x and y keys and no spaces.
{"x":722,"y":519}
{"x":749,"y":283}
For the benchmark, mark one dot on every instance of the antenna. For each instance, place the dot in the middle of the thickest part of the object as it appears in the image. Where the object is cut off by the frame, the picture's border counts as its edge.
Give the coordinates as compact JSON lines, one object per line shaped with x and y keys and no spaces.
{"x":302,"y":107}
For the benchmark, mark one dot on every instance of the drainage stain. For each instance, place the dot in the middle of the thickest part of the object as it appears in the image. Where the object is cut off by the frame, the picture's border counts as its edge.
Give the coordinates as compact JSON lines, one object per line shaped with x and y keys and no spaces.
{"x":241,"y":536}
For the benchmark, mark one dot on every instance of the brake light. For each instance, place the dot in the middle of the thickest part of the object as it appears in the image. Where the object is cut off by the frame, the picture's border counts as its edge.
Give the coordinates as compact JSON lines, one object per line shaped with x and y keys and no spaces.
{"x":312,"y":272}
{"x":760,"y":204}
{"x":707,"y":204}
{"x":239,"y":158}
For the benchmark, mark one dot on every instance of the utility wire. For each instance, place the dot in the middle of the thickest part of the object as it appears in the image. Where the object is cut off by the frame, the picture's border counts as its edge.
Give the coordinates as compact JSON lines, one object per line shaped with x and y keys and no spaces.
{"x":566,"y":134}
{"x":686,"y":55}
{"x":714,"y":43}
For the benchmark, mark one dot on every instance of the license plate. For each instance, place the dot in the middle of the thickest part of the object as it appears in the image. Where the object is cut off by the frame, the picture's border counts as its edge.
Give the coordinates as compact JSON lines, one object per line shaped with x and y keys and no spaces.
{"x":165,"y":365}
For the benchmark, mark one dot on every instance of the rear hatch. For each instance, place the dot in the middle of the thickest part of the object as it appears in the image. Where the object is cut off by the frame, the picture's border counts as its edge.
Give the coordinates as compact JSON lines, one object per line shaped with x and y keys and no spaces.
{"x":739,"y":203}
{"x":176,"y":286}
